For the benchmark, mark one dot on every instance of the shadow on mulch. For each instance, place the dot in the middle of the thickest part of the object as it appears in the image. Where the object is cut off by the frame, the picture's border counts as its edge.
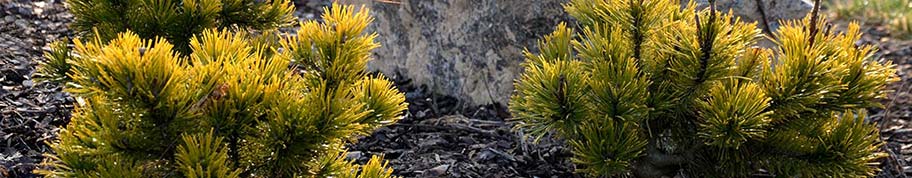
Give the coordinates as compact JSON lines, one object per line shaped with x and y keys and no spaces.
{"x":894,"y":119}
{"x":441,"y":138}
{"x":30,"y":113}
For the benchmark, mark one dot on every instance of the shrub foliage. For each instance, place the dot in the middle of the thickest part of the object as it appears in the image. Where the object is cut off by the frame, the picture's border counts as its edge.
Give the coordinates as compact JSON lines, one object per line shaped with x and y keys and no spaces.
{"x":230,"y":108}
{"x":646,"y":88}
{"x":175,"y":21}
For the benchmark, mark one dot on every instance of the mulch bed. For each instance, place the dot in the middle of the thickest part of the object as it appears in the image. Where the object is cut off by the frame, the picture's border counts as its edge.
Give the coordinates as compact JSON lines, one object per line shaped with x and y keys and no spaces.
{"x":894,"y":119}
{"x":439,"y":137}
{"x":30,"y":113}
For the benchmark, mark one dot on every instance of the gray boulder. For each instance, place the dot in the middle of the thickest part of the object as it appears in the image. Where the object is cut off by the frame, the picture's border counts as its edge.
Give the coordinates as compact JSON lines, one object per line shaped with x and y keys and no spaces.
{"x":472,"y":49}
{"x":772,"y":11}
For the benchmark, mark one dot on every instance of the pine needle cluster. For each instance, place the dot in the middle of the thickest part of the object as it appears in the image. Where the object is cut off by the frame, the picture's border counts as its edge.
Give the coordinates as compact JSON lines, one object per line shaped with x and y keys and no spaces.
{"x":175,"y":21}
{"x":232,"y":107}
{"x":646,"y":88}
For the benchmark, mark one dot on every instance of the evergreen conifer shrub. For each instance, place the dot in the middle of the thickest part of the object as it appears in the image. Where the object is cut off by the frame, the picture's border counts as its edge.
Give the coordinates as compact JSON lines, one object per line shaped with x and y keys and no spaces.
{"x":175,"y":21}
{"x":230,"y":108}
{"x":646,"y":88}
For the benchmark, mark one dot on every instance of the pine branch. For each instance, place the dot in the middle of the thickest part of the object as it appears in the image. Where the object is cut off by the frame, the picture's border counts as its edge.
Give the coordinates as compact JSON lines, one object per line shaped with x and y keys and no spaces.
{"x":815,"y":13}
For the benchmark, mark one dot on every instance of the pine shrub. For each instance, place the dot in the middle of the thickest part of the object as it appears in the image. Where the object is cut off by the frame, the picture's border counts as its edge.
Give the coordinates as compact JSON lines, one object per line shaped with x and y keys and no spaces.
{"x":175,"y":21}
{"x":646,"y":88}
{"x":232,"y":107}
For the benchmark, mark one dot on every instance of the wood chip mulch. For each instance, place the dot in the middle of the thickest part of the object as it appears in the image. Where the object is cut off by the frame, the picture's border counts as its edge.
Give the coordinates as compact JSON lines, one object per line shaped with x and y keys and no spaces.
{"x":439,"y":137}
{"x":30,"y":113}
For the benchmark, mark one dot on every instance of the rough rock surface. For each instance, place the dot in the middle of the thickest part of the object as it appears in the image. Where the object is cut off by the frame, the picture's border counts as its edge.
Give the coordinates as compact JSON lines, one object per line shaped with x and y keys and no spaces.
{"x":472,"y":49}
{"x":768,"y":13}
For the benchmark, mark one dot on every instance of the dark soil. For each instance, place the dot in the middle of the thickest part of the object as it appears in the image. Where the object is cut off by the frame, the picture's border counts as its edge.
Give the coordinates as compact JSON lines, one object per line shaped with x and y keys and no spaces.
{"x":437,"y":138}
{"x":894,"y":119}
{"x":30,"y":113}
